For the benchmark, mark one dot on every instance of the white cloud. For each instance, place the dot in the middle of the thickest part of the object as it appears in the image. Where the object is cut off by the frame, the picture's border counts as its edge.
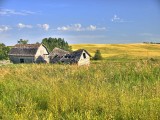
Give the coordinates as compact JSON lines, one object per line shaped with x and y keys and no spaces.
{"x":78,"y":27}
{"x":92,"y":28}
{"x":44,"y":26}
{"x":118,"y":19}
{"x":14,"y":12}
{"x":4,"y":28}
{"x":115,"y":18}
{"x":74,"y":27}
{"x":20,"y":25}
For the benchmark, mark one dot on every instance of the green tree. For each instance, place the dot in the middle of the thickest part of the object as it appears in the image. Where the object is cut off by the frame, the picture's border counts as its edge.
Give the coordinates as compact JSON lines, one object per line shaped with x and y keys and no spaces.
{"x":97,"y":55}
{"x":51,"y":43}
{"x":4,"y":50}
{"x":21,"y":41}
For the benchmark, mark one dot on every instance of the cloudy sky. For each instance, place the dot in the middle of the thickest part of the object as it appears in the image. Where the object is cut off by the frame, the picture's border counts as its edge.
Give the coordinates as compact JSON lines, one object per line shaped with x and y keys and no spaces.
{"x":80,"y":21}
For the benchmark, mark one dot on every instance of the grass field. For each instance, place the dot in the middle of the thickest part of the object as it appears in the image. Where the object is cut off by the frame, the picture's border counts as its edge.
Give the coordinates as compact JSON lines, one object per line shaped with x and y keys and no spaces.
{"x":104,"y":91}
{"x":116,"y":51}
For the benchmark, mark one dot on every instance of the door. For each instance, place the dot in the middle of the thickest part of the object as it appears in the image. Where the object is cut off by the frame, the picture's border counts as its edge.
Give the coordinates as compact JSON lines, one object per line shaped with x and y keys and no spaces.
{"x":21,"y":60}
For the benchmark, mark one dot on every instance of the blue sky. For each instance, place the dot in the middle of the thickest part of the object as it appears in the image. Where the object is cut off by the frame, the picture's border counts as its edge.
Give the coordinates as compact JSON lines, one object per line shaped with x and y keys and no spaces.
{"x":80,"y":21}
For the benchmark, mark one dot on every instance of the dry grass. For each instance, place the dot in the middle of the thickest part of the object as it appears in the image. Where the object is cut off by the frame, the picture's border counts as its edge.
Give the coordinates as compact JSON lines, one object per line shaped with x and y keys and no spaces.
{"x":100,"y":92}
{"x":123,"y":50}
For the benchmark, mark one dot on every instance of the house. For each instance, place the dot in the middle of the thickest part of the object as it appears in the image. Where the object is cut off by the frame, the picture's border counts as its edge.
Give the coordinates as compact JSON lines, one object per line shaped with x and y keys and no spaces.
{"x":56,"y":54}
{"x":29,"y":53}
{"x":79,"y":57}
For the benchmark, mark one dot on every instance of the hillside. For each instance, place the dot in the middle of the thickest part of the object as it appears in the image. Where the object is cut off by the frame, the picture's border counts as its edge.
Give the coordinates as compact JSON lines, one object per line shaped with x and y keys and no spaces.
{"x":131,"y":51}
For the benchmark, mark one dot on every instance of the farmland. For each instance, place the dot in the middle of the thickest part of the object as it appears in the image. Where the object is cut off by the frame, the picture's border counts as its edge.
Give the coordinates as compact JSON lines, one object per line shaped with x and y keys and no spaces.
{"x":105,"y":90}
{"x":115,"y":51}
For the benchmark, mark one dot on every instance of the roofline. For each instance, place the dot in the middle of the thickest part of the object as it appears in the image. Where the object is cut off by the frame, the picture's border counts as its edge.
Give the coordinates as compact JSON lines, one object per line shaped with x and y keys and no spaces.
{"x":45,"y":47}
{"x":83,"y":50}
{"x":29,"y":55}
{"x":22,"y":55}
{"x":87,"y":52}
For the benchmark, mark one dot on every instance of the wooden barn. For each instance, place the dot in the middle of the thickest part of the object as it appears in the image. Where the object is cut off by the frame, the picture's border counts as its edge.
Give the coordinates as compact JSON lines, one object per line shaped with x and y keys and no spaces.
{"x":79,"y":57}
{"x":56,"y":54}
{"x":29,"y":53}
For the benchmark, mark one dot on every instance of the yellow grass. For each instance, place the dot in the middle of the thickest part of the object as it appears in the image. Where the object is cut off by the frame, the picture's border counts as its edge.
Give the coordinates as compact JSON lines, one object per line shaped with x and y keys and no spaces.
{"x":111,"y":50}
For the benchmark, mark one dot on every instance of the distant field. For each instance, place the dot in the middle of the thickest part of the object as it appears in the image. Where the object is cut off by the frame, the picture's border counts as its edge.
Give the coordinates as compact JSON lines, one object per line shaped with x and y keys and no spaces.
{"x":122,"y":50}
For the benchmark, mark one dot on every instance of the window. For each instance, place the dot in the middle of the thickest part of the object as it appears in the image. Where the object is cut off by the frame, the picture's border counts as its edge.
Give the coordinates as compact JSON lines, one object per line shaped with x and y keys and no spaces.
{"x":66,"y":56}
{"x":55,"y":56}
{"x":21,"y":60}
{"x":84,"y":55}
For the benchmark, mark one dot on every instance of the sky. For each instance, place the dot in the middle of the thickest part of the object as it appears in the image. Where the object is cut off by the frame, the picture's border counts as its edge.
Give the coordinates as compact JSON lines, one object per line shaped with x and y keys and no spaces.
{"x":80,"y":21}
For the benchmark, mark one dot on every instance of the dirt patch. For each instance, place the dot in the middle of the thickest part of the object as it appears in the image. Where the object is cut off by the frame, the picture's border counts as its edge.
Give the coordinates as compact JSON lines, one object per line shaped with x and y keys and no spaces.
{"x":5,"y":62}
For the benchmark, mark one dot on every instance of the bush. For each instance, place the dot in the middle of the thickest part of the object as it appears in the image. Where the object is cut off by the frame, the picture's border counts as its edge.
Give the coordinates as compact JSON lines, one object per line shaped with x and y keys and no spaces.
{"x":97,"y":55}
{"x":4,"y":50}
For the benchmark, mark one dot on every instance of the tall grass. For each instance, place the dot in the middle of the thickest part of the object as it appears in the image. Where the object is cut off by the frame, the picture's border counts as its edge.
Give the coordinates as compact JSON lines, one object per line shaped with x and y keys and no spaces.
{"x":60,"y":92}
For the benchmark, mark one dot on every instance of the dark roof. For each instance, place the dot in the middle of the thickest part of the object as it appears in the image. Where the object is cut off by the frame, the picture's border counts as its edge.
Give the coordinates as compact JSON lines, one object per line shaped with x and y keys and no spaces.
{"x":59,"y":55}
{"x":24,"y":49}
{"x":77,"y":54}
{"x":57,"y":51}
{"x":74,"y":56}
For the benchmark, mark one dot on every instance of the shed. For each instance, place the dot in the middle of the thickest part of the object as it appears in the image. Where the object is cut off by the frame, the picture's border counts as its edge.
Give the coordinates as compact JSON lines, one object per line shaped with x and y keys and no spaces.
{"x":79,"y":57}
{"x":29,"y":53}
{"x":56,"y":54}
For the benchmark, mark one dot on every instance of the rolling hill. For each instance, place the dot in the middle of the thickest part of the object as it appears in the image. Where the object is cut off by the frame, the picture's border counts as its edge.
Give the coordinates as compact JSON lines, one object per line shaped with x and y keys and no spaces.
{"x":132,"y":51}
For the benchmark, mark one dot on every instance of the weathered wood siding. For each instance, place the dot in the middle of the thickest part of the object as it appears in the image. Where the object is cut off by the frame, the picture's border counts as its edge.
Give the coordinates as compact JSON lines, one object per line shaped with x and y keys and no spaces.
{"x":16,"y":59}
{"x":84,"y":61}
{"x":40,"y":56}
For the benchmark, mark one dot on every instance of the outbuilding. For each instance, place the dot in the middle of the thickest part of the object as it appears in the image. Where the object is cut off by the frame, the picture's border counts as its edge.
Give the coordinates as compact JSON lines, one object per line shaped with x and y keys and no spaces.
{"x":29,"y":53}
{"x":78,"y":57}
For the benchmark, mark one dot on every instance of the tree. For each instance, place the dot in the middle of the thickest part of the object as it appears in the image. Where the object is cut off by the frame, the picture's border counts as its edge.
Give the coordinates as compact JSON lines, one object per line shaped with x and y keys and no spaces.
{"x":97,"y":55}
{"x":51,"y":43}
{"x":37,"y":43}
{"x":21,"y":41}
{"x":4,"y":50}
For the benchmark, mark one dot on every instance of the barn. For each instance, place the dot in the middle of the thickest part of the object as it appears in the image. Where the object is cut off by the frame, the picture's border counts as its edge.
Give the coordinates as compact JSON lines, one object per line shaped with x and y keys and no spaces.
{"x":56,"y":54}
{"x":79,"y":57}
{"x":29,"y":53}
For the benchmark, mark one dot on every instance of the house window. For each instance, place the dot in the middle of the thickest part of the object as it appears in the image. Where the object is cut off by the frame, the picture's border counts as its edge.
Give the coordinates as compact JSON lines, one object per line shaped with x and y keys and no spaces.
{"x":84,"y":55}
{"x":21,"y":60}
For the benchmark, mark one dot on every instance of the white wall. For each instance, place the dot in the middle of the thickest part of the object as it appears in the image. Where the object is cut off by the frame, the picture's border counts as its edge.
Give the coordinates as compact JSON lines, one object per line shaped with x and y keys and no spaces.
{"x":84,"y":61}
{"x":42,"y":52}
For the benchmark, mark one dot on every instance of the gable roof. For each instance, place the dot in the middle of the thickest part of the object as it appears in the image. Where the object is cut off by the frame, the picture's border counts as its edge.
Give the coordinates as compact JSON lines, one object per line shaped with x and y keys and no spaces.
{"x":74,"y":56}
{"x":77,"y":54}
{"x":58,"y":51}
{"x":25,"y":49}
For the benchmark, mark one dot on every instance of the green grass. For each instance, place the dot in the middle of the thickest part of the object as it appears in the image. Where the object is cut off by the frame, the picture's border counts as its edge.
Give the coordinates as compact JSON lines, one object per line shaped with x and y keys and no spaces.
{"x":105,"y":90}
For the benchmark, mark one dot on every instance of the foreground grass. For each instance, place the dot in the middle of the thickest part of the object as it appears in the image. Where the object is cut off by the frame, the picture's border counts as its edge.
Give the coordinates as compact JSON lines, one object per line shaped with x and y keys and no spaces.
{"x":101,"y":91}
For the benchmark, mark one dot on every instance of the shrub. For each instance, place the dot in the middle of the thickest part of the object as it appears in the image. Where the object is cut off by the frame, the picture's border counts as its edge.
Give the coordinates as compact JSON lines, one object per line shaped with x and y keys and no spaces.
{"x":97,"y":55}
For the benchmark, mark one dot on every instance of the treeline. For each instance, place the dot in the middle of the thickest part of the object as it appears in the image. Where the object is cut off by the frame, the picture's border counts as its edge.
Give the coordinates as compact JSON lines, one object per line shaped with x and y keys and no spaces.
{"x":4,"y":50}
{"x":151,"y":43}
{"x":51,"y":43}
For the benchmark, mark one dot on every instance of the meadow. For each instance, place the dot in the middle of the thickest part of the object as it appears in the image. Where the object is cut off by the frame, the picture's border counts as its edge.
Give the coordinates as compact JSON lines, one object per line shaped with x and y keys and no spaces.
{"x":123,"y":51}
{"x":106,"y":90}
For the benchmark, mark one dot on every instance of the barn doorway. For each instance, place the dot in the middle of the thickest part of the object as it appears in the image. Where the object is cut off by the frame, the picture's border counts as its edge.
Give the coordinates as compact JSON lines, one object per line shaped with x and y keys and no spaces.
{"x":21,"y":60}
